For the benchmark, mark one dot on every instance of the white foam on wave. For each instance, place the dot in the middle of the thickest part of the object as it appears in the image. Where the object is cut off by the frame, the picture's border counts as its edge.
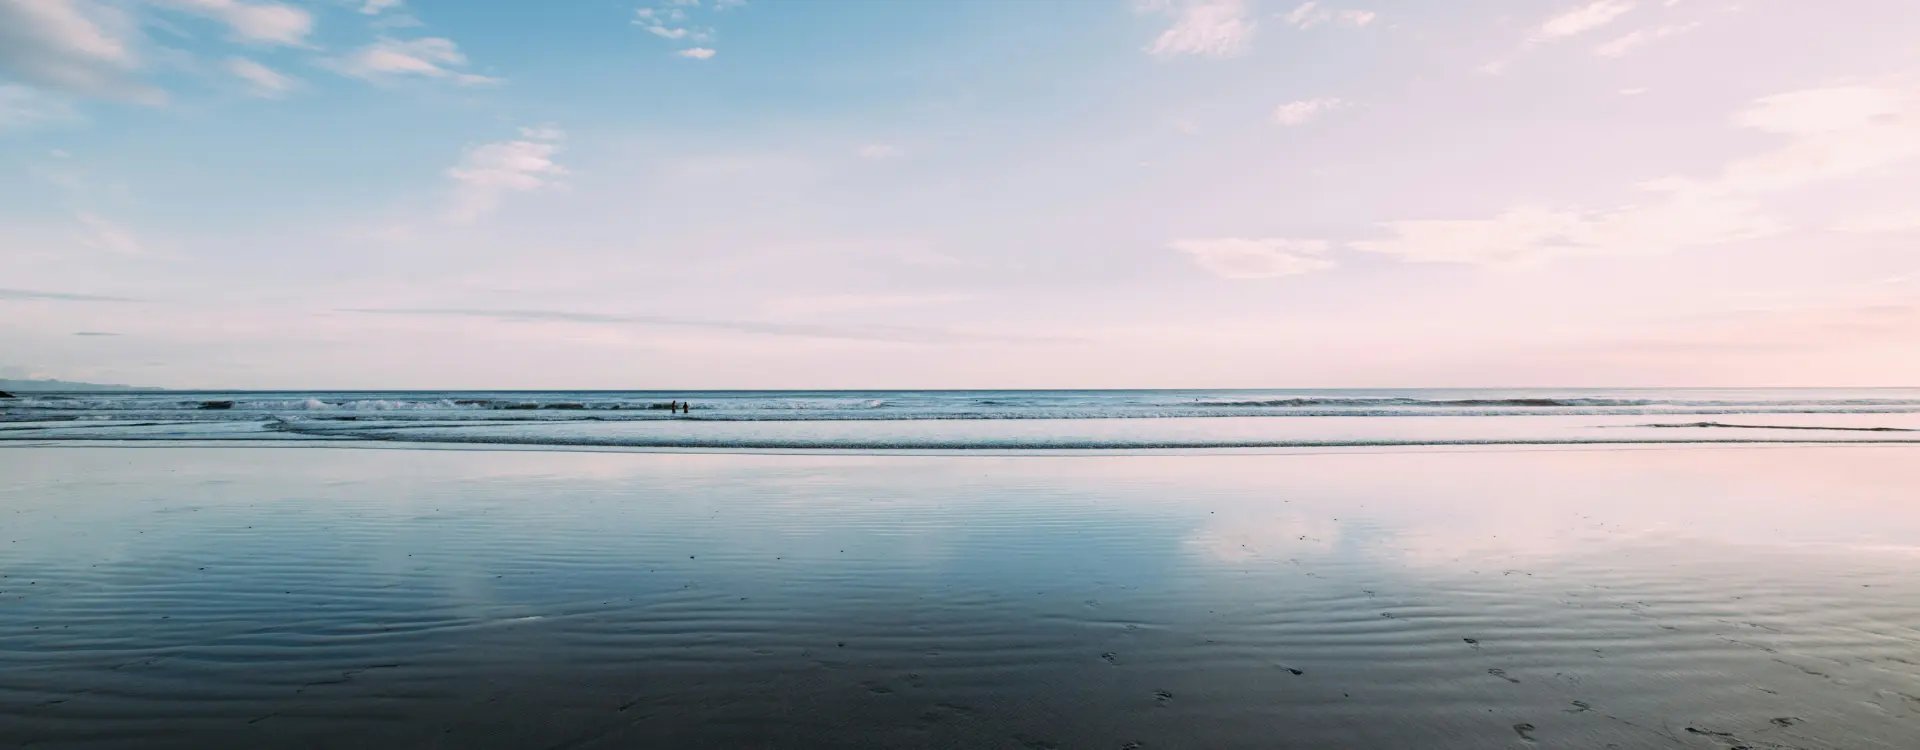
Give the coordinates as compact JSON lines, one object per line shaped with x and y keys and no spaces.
{"x":561,"y":407}
{"x":315,"y":404}
{"x":1107,"y":434}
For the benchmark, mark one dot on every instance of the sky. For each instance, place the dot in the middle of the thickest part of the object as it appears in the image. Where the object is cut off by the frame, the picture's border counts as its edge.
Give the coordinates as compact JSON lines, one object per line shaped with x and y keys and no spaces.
{"x":1098,"y":193}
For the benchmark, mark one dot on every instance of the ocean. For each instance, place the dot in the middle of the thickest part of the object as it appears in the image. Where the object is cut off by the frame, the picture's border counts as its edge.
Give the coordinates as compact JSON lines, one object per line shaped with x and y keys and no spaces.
{"x":1003,"y":420}
{"x":1448,"y":569}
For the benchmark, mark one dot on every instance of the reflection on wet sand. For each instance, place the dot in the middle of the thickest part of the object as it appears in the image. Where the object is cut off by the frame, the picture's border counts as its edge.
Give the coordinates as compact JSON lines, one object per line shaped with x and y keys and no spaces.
{"x":1690,"y":597}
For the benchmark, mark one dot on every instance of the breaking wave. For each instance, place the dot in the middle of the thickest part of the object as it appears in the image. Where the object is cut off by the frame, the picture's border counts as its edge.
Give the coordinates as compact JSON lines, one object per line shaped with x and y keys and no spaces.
{"x":972,"y":419}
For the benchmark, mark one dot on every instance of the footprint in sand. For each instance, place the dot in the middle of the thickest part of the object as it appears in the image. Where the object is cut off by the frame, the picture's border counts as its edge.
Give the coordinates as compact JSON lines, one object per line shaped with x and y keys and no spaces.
{"x":1579,"y":707}
{"x":1111,"y":658}
{"x":1162,"y":697}
{"x":1502,"y":674}
{"x":1525,"y":731}
{"x":1785,"y":721}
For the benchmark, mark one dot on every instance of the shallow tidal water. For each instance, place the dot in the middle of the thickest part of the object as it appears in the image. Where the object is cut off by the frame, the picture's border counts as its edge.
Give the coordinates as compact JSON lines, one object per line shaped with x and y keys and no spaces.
{"x":1686,"y":597}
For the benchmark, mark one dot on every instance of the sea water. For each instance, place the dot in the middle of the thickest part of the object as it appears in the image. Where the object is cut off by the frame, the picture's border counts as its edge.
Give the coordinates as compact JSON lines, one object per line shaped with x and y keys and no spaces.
{"x":1006,"y":420}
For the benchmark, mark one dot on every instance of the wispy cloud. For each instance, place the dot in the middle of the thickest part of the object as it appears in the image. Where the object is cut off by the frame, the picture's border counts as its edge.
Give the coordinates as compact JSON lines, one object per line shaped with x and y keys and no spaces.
{"x":490,"y":171}
{"x":75,"y":47}
{"x":879,"y":151}
{"x":880,"y":333}
{"x":1831,"y":133}
{"x":1531,"y":234}
{"x":261,"y":80}
{"x":1304,"y":111}
{"x":1264,"y":258}
{"x":253,"y":22}
{"x":393,"y":59}
{"x":661,"y":29}
{"x":1631,"y":41}
{"x":30,"y":294}
{"x":94,"y":333}
{"x":102,"y":234}
{"x":1563,"y":26}
{"x":1582,"y":19}
{"x":672,"y":20}
{"x":1206,"y":28}
{"x":1311,"y":14}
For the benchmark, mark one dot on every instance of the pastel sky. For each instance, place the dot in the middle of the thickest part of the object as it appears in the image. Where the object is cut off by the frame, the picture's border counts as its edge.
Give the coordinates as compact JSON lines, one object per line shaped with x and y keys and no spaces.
{"x":1168,"y":193}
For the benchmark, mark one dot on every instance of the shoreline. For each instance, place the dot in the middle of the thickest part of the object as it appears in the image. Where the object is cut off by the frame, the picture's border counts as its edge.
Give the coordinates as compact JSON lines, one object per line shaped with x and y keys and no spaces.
{"x":1260,"y":450}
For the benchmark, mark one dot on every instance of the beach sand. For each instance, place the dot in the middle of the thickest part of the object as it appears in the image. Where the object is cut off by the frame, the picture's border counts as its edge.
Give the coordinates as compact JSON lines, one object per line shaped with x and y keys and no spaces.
{"x":1687,"y":597}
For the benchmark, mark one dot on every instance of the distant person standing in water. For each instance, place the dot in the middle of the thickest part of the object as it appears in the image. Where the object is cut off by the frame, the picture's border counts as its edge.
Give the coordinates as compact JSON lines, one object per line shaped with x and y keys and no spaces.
{"x":686,"y":407}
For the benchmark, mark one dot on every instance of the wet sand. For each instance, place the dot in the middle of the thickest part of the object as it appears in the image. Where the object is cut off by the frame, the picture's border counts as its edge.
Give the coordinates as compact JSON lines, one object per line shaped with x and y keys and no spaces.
{"x":1723,"y":597}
